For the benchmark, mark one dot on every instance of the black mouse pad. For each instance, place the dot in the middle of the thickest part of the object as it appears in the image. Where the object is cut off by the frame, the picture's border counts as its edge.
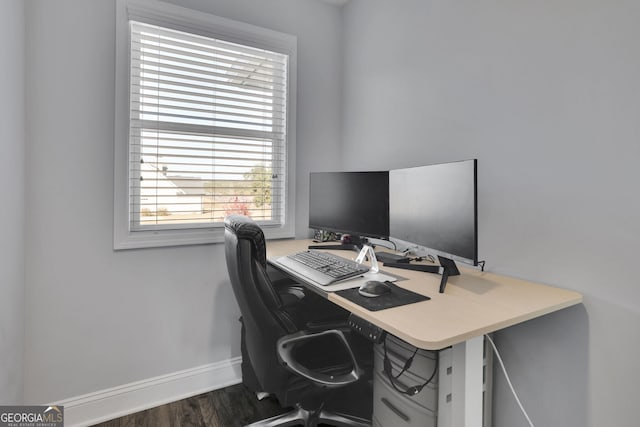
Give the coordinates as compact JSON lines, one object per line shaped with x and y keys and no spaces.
{"x":397,"y":297}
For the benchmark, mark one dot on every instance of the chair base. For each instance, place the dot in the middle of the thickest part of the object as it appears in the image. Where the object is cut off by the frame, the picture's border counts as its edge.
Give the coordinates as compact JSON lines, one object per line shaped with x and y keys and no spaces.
{"x":300,"y":416}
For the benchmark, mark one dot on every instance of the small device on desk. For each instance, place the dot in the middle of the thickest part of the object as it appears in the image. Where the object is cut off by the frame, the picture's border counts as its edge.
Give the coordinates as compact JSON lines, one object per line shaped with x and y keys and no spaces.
{"x":388,"y":257}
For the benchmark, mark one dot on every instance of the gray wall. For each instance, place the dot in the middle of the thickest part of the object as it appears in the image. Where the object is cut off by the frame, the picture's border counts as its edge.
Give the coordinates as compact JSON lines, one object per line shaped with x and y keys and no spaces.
{"x":546,"y":95}
{"x":12,"y":176}
{"x":98,"y":318}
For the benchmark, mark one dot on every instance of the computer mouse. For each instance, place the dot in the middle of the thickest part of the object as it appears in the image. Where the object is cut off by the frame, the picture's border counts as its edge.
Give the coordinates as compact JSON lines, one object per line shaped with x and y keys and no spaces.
{"x":374,"y":288}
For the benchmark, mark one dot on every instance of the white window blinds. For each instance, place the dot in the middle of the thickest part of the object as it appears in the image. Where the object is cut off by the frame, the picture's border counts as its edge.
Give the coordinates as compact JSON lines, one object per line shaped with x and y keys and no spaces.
{"x":207,"y":134}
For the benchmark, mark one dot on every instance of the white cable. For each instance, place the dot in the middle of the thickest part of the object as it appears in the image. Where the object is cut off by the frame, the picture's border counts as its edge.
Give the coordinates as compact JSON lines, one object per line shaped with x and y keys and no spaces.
{"x":495,"y":350}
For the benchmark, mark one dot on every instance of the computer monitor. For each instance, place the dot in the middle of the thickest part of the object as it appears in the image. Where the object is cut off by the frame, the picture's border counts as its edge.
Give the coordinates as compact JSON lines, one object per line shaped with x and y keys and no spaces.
{"x":436,"y":207}
{"x":354,"y":203}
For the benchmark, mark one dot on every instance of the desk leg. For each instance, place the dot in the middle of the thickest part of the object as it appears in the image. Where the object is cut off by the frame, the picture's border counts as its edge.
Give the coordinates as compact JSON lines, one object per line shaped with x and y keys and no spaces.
{"x":467,"y":387}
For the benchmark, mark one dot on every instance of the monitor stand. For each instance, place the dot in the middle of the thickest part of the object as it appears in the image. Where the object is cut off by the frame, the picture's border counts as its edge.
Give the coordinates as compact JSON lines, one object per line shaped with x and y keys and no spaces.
{"x":446,"y":268}
{"x":367,"y":251}
{"x":356,"y":245}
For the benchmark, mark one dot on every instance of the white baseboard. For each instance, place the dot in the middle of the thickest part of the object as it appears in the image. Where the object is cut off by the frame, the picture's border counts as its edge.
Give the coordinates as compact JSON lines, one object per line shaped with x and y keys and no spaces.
{"x":126,"y":399}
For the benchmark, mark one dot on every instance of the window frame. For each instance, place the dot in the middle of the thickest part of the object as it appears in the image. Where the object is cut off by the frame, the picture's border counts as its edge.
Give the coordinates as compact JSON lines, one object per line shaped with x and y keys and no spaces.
{"x":203,"y":24}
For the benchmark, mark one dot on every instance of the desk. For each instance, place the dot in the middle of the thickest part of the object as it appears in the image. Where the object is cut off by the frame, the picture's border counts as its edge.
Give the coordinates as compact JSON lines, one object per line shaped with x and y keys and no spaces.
{"x":474,"y":303}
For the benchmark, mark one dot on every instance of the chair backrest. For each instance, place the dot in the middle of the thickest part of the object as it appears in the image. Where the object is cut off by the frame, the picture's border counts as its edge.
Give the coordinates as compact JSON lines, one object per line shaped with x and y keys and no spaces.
{"x":263,"y":316}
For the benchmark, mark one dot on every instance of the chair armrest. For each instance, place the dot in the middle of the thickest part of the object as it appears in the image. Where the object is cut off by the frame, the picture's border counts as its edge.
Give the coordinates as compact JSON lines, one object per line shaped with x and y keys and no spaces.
{"x":288,"y":343}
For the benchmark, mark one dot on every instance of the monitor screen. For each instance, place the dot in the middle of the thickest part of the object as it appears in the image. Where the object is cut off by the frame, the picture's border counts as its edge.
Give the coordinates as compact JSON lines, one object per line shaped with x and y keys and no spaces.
{"x":436,"y":207}
{"x":355,"y":203}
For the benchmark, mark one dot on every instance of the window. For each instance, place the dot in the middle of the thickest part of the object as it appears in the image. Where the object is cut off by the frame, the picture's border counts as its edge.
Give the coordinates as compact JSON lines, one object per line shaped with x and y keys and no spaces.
{"x":203,"y":126}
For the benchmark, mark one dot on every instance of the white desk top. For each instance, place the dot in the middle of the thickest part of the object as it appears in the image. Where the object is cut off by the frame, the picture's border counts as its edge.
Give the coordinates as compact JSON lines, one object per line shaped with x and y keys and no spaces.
{"x":474,"y":303}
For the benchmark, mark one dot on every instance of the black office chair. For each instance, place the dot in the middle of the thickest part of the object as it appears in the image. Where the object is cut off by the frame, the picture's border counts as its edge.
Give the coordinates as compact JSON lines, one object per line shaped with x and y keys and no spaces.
{"x":300,"y":366}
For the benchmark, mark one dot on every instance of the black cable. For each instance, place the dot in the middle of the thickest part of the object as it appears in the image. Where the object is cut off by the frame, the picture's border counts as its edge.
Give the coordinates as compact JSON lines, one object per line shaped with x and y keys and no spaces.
{"x":407,"y":363}
{"x":413,"y":390}
{"x":429,"y":257}
{"x":395,"y":247}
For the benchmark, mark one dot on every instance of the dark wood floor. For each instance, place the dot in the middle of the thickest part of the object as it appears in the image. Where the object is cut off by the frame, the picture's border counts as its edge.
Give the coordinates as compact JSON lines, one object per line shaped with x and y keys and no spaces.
{"x":233,"y":406}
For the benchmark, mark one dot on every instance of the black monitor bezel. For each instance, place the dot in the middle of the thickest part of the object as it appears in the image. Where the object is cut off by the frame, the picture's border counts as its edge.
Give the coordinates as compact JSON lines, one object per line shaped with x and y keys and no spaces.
{"x":359,"y":233}
{"x":437,"y":251}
